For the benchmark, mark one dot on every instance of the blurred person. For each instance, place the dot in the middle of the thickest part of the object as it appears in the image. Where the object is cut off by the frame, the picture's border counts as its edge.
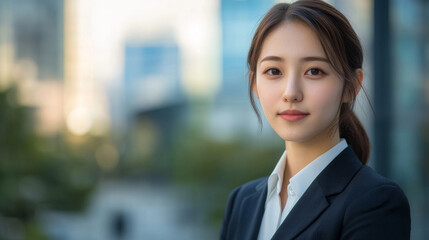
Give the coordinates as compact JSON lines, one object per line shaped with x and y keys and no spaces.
{"x":305,"y":67}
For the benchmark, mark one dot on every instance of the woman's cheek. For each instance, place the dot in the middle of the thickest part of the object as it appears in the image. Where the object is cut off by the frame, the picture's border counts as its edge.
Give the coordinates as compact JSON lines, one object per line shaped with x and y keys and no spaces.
{"x":267,"y":94}
{"x":326,"y":96}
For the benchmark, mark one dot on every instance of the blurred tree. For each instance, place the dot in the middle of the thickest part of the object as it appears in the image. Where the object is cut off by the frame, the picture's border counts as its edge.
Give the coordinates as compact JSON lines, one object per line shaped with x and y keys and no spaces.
{"x":19,"y":156}
{"x":36,"y":172}
{"x":215,"y":168}
{"x":192,"y":159}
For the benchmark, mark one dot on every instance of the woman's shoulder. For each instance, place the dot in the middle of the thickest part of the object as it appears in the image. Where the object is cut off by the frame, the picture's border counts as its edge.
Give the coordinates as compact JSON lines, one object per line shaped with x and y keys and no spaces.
{"x":372,"y":192}
{"x":247,"y":189}
{"x":377,"y":206}
{"x":368,"y":179}
{"x":251,"y":187}
{"x":234,"y":220}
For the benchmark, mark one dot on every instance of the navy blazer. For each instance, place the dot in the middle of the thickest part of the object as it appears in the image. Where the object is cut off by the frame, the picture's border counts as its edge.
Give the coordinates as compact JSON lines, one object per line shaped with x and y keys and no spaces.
{"x":346,"y":201}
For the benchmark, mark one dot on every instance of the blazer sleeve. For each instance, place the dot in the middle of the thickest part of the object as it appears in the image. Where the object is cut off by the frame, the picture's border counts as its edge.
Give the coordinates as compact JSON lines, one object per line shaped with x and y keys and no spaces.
{"x":381,"y":213}
{"x":227,"y":214}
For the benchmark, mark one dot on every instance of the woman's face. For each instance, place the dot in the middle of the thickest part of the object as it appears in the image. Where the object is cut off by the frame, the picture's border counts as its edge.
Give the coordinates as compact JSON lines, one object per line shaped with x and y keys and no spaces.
{"x":300,"y":93}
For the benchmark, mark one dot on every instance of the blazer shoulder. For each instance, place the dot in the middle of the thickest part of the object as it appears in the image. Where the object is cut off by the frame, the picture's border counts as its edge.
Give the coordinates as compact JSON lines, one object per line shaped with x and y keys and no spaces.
{"x":252,"y":186}
{"x":377,"y":209}
{"x":230,"y":222}
{"x":244,"y":191}
{"x":369,"y":179}
{"x":369,"y":183}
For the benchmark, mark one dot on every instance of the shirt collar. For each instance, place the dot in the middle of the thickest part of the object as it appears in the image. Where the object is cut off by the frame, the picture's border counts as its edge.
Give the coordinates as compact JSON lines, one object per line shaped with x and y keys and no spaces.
{"x":276,"y":178}
{"x":302,"y":180}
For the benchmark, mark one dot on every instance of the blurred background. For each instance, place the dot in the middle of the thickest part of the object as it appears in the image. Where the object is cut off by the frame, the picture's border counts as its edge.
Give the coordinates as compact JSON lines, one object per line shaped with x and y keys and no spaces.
{"x":131,"y":120}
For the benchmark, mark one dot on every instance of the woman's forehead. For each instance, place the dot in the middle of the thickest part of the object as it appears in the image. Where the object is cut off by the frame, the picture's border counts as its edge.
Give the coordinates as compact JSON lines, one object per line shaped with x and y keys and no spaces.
{"x":290,"y":40}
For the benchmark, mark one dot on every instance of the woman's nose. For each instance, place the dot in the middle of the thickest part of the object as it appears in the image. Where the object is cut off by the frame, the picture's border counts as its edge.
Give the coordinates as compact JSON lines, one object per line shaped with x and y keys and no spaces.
{"x":292,"y":91}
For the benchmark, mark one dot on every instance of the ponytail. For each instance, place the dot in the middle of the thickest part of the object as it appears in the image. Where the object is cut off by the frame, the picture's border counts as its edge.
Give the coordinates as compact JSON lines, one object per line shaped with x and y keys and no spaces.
{"x":353,"y":131}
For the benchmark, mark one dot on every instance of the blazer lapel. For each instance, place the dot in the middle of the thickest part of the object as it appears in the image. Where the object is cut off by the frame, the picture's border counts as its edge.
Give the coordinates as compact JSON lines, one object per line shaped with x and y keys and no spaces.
{"x":306,"y":210}
{"x":332,"y":180}
{"x":253,"y":208}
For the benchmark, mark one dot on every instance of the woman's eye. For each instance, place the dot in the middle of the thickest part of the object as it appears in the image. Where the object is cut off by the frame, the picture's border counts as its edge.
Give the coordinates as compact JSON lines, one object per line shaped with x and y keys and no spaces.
{"x":314,"y":72}
{"x":273,"y":71}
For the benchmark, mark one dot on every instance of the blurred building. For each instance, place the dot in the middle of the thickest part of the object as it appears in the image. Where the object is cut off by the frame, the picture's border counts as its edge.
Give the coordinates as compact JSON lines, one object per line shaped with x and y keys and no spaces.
{"x":401,"y":90}
{"x":34,"y":31}
{"x":154,"y":104}
{"x":31,"y":57}
{"x":231,"y":113}
{"x":239,"y":21}
{"x":152,"y":75}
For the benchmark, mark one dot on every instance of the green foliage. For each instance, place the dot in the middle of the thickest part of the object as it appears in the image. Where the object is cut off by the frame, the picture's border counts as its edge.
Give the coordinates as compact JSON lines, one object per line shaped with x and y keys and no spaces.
{"x":33,"y":232}
{"x":18,"y":154}
{"x":203,"y":161}
{"x":37,"y":172}
{"x":215,"y":168}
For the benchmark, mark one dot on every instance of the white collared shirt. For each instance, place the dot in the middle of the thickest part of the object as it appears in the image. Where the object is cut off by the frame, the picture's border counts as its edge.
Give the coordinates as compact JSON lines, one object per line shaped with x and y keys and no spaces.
{"x":298,"y":184}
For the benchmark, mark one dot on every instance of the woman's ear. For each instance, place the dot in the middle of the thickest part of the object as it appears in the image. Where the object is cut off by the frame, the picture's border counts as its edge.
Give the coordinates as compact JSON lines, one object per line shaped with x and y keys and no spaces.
{"x":252,"y":80}
{"x":347,"y":95}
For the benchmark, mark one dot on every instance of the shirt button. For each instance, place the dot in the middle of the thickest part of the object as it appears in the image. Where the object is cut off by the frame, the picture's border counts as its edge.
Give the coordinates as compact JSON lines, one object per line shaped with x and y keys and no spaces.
{"x":291,"y":192}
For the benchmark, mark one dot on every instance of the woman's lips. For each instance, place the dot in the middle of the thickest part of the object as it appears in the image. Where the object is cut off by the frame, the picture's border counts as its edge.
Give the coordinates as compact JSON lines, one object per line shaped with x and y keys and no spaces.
{"x":293,"y":115}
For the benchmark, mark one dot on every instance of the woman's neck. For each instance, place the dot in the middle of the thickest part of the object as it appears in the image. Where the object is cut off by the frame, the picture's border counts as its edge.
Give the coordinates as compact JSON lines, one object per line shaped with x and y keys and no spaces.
{"x":300,"y":154}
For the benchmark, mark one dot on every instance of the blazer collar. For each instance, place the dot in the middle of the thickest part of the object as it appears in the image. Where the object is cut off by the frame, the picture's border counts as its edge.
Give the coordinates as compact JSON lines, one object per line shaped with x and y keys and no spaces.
{"x":332,"y":180}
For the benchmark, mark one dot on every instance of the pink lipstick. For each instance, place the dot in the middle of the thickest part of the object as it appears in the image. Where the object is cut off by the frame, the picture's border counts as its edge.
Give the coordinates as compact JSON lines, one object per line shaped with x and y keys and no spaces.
{"x":293,"y":115}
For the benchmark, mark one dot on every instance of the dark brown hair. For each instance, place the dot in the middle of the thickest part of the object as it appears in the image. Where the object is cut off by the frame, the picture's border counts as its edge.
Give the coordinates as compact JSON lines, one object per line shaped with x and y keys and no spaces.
{"x":343,"y":50}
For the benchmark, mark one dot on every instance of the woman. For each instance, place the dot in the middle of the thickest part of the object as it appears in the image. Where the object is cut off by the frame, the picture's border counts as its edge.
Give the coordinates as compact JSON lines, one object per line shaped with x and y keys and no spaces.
{"x":305,"y":67}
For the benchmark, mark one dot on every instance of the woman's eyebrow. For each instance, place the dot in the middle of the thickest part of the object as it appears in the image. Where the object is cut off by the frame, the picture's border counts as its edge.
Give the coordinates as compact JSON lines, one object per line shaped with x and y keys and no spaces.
{"x":304,"y":59}
{"x":272,"y":58}
{"x":314,"y":58}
